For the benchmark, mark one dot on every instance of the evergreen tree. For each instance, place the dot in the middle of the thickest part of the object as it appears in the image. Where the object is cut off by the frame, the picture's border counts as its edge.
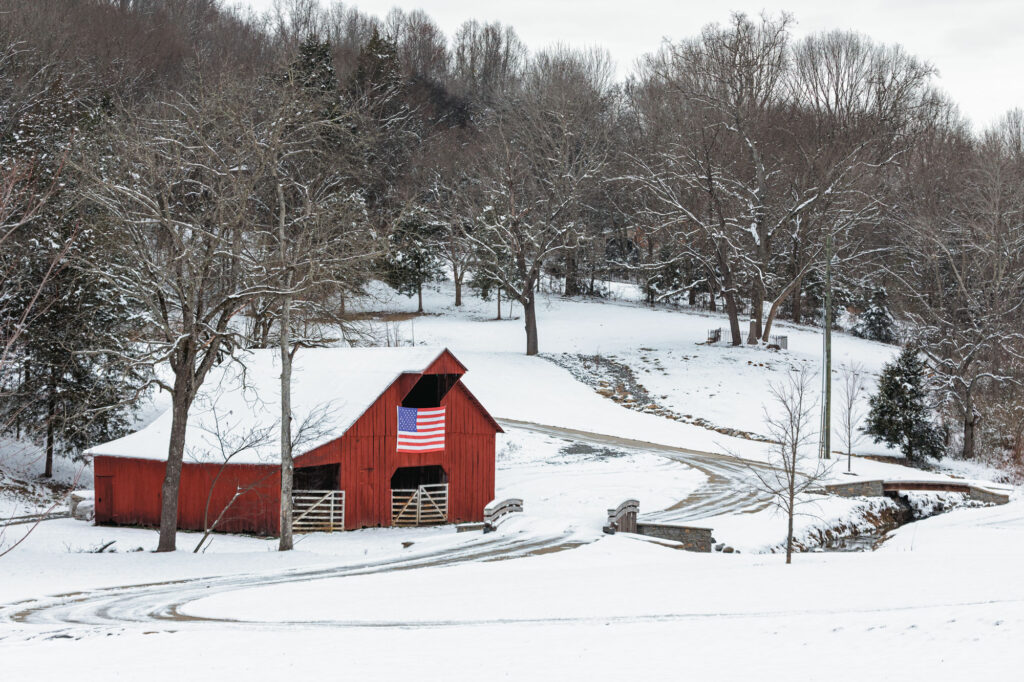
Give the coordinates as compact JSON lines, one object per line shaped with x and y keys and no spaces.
{"x":414,"y":255}
{"x":876,"y":322}
{"x":813,"y":309}
{"x":314,"y":67}
{"x":378,"y":69}
{"x":899,"y":415}
{"x":667,"y":280}
{"x":77,"y":385}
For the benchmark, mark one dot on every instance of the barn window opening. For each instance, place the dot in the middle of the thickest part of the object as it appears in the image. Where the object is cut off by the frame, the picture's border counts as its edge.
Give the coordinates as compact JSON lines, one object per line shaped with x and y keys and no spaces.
{"x":430,"y":390}
{"x":410,"y":478}
{"x":326,"y":477}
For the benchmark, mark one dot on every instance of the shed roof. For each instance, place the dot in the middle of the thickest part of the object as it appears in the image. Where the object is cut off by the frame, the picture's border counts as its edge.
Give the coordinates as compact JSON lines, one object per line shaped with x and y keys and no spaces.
{"x":238,"y":409}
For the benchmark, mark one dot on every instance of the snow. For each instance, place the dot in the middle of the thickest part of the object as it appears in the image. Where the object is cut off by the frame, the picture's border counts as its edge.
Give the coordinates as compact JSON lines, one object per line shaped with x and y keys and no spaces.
{"x":564,"y":480}
{"x":22,"y":492}
{"x":608,"y":610}
{"x":549,"y":596}
{"x":239,"y":403}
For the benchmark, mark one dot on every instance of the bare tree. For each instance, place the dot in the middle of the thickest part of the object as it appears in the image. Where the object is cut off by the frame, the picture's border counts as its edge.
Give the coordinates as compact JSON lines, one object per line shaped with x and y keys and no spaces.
{"x":541,"y":154}
{"x":229,"y":442}
{"x":177,"y":202}
{"x":961,"y":265}
{"x":487,"y":61}
{"x":852,"y":389}
{"x":794,"y":465}
{"x":774,"y":147}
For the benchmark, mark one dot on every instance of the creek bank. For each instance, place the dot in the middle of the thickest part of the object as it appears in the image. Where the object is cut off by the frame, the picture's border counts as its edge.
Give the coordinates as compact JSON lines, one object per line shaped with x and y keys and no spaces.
{"x":869,"y":527}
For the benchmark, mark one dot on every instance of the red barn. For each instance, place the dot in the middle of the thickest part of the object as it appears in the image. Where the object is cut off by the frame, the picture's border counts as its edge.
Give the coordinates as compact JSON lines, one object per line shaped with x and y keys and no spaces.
{"x":349,"y":472}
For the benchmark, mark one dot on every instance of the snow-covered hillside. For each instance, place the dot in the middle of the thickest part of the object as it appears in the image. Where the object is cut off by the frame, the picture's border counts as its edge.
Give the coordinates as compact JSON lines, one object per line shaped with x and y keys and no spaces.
{"x":549,"y":591}
{"x":666,"y":349}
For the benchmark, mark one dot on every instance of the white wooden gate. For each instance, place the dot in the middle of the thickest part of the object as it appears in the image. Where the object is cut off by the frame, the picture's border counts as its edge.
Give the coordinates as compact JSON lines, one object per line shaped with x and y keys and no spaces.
{"x":423,"y":506}
{"x":318,"y":510}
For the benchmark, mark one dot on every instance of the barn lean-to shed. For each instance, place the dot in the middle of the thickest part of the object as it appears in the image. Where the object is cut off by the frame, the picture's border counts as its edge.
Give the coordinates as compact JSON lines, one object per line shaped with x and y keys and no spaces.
{"x":349,"y":472}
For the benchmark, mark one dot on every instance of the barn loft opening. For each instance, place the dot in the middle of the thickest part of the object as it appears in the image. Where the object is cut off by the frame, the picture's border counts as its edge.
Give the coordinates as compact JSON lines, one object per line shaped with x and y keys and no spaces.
{"x":410,"y":478}
{"x":325,"y":477}
{"x":429,"y":390}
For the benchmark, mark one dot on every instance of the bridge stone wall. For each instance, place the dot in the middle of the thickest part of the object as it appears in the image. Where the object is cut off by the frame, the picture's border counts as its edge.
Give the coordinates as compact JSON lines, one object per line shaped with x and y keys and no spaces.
{"x":857,"y":489}
{"x":693,"y":539}
{"x":988,"y":496}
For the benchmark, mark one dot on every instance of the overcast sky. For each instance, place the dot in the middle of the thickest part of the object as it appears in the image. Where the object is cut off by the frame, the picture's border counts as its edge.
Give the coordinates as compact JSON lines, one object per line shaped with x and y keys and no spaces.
{"x":976,"y":46}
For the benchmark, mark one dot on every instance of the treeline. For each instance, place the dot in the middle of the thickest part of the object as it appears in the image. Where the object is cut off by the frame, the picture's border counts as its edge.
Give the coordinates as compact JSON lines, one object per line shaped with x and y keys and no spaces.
{"x":180,"y":179}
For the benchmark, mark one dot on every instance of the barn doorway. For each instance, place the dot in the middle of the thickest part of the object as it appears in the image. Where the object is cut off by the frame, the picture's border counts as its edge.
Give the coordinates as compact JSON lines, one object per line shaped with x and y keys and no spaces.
{"x":104,"y":504}
{"x":317,"y":504}
{"x":429,"y":390}
{"x":419,"y":496}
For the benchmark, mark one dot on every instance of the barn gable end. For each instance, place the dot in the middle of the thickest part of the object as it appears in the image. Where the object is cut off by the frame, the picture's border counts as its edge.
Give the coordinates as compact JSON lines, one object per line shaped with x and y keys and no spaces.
{"x":362,"y":461}
{"x":367,"y":453}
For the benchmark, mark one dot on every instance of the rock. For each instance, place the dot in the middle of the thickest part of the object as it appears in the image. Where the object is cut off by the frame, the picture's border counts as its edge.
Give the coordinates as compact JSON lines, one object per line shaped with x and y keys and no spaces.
{"x":728,"y":550}
{"x":77,"y":497}
{"x":719,"y":547}
{"x":84,"y":511}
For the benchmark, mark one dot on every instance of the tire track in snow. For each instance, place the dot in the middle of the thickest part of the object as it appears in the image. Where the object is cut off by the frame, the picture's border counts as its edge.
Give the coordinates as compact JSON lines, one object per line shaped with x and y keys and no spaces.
{"x":161,"y":603}
{"x":728,"y":489}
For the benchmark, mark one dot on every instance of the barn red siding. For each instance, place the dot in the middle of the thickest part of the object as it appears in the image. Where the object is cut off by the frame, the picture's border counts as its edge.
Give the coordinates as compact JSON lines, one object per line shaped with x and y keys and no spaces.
{"x":367,"y":458}
{"x":445,"y":364}
{"x":136,"y":485}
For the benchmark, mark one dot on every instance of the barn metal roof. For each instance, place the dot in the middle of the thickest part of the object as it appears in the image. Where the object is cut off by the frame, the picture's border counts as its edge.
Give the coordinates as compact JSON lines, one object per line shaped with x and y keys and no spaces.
{"x":237,"y":412}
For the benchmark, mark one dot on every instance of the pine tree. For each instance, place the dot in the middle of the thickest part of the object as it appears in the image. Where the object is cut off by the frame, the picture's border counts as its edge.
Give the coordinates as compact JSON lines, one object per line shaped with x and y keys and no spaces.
{"x":377,"y":67}
{"x":314,"y":67}
{"x":876,"y":322}
{"x":77,"y":385}
{"x":899,"y":414}
{"x":813,"y":308}
{"x":414,"y":255}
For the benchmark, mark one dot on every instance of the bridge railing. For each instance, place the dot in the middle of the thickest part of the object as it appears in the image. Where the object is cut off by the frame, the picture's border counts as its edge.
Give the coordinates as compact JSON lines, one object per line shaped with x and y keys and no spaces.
{"x":495,"y":512}
{"x":622,"y":519}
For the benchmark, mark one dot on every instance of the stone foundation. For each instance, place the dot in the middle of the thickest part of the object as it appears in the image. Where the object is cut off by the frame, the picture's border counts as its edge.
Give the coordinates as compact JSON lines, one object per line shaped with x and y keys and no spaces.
{"x":857,"y":489}
{"x":988,"y":496}
{"x":693,"y":539}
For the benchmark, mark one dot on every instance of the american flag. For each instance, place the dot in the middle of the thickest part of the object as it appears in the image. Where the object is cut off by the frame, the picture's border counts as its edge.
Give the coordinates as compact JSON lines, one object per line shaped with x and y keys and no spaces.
{"x":420,"y":429}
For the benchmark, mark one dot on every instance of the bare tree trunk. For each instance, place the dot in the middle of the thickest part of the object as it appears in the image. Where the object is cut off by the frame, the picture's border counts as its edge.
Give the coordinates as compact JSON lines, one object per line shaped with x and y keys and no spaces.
{"x":826,"y":425}
{"x":458,"y":289}
{"x":419,"y":297}
{"x":172,"y":475}
{"x":970,"y":422}
{"x":499,"y":303}
{"x":530,"y":320}
{"x":792,"y":503}
{"x":729,"y":293}
{"x":51,"y":413}
{"x":571,"y":275}
{"x":798,"y":311}
{"x":776,"y":304}
{"x":756,"y":314}
{"x":287,"y":465}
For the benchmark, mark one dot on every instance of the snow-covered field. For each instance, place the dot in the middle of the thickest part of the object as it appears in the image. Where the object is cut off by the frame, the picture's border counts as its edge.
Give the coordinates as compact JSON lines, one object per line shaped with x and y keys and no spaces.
{"x":549,"y":596}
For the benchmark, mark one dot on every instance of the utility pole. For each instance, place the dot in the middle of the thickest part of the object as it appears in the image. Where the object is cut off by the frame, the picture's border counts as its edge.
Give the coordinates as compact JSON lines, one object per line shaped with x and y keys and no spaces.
{"x":826,"y":403}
